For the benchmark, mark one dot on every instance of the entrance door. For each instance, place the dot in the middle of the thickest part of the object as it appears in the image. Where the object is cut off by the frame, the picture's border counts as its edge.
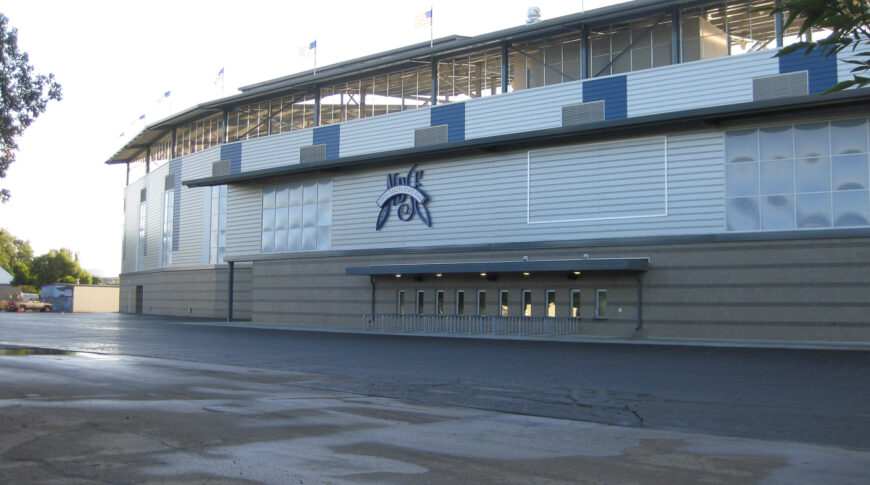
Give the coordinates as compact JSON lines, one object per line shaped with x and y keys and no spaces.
{"x":140,"y":295}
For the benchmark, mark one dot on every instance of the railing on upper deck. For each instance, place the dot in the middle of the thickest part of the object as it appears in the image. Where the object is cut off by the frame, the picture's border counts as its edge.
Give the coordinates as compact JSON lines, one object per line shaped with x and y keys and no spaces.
{"x":478,"y":325}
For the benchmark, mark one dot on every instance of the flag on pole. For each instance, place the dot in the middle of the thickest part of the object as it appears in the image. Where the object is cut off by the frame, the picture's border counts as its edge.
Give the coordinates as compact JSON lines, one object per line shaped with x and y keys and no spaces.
{"x":163,"y":98}
{"x":220,"y":77}
{"x":309,"y":49}
{"x":424,"y":19}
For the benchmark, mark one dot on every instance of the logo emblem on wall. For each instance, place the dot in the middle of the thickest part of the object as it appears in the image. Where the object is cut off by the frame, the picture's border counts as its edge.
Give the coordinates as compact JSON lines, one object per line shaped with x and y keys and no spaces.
{"x":404,"y":193}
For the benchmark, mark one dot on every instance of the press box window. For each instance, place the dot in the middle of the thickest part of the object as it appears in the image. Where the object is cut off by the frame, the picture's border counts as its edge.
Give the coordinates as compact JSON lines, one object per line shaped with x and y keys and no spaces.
{"x":551,"y":303}
{"x":575,"y":303}
{"x":420,"y":302}
{"x":527,"y":303}
{"x":600,"y":303}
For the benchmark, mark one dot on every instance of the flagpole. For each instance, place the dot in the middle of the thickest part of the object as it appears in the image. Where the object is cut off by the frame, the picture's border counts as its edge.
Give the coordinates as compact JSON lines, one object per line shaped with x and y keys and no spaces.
{"x":315,"y":56}
{"x":431,"y":26}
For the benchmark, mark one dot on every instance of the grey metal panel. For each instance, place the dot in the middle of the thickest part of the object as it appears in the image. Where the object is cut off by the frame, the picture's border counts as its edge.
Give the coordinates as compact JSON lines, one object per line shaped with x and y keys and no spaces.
{"x":221,"y":167}
{"x":483,"y":200}
{"x":576,"y":114}
{"x":598,"y":181}
{"x":192,"y":235}
{"x":780,"y":85}
{"x":691,"y":85}
{"x":608,"y":264}
{"x":275,"y":150}
{"x":524,"y":110}
{"x":131,"y":224}
{"x":312,"y":153}
{"x":381,"y":133}
{"x":169,"y":182}
{"x":244,"y":219}
{"x":430,"y":135}
{"x":154,"y":221}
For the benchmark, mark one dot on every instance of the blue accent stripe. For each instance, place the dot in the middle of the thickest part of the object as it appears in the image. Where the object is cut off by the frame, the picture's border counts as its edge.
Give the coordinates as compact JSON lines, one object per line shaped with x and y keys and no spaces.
{"x":822,"y":70}
{"x":452,"y":115}
{"x":175,"y":171}
{"x":330,"y":136}
{"x":233,"y":153}
{"x":613,"y":90}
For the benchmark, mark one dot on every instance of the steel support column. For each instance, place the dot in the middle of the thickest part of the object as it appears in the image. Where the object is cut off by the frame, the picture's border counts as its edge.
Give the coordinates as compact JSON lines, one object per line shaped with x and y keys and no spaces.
{"x":231,"y":270}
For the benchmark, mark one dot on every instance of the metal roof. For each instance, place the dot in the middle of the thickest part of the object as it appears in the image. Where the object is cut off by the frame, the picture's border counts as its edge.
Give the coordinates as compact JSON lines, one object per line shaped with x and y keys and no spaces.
{"x":402,"y":55}
{"x":636,"y":265}
{"x":651,"y":124}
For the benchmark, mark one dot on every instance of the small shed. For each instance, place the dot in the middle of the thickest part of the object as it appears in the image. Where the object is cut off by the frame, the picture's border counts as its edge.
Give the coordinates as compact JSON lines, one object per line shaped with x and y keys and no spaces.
{"x":72,"y":298}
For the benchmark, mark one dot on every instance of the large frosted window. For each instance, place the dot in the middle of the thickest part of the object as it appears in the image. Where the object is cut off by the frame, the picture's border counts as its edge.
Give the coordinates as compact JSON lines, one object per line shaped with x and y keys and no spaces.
{"x":297,"y":217}
{"x":142,"y":242}
{"x":806,"y":176}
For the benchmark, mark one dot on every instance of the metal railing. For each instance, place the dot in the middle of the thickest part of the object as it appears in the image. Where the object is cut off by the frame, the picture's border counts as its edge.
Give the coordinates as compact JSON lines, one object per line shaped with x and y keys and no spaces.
{"x":471,"y":325}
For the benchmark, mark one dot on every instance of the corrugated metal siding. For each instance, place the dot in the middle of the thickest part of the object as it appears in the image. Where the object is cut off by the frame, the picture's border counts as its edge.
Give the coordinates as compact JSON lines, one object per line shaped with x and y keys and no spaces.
{"x":194,"y":209}
{"x":244,"y":219}
{"x":452,"y":115}
{"x":154,"y":184}
{"x":712,"y":82}
{"x":598,"y":181}
{"x":822,"y":69}
{"x":275,"y":150}
{"x":484,"y":200}
{"x":529,"y":109}
{"x":330,"y":136}
{"x":131,"y":225}
{"x":382,"y":133}
{"x":611,"y":90}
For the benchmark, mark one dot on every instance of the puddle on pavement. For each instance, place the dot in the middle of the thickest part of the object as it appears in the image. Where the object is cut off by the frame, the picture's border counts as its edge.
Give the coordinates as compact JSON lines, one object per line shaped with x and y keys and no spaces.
{"x":13,"y":351}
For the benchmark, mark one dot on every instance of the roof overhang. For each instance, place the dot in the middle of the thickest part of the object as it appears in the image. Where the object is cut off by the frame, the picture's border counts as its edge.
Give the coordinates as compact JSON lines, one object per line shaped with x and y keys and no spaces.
{"x":651,"y":124}
{"x":628,"y":265}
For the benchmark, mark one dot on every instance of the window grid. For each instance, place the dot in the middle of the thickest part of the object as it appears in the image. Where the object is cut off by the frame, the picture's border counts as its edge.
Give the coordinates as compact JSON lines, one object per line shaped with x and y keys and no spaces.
{"x":166,"y":246}
{"x":297,"y":217}
{"x":218,"y":224}
{"x":805,"y":176}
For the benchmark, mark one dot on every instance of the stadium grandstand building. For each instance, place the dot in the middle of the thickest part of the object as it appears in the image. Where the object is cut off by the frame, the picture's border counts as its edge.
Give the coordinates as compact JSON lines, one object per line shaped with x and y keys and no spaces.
{"x":645,"y":170}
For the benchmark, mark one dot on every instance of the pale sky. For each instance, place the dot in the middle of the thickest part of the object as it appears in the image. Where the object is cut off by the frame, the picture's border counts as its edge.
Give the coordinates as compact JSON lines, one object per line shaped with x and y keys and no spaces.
{"x":115,"y":59}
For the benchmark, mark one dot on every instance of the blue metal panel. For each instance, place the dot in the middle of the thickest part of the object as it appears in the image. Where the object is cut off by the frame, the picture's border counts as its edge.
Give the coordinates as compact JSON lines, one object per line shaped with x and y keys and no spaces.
{"x":613,"y":91}
{"x":175,"y":171}
{"x":822,"y":70}
{"x":233,"y":153}
{"x":330,"y":136}
{"x":452,"y":115}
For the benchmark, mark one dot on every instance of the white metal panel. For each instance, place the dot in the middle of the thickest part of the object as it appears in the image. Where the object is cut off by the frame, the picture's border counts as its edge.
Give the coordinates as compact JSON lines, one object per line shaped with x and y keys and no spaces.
{"x":131,"y":225}
{"x":484,"y":200}
{"x":382,"y":133}
{"x":193,"y":203}
{"x":528,"y":109}
{"x":244,"y":219}
{"x":155,"y":186}
{"x":274,"y":150}
{"x":711,"y":82}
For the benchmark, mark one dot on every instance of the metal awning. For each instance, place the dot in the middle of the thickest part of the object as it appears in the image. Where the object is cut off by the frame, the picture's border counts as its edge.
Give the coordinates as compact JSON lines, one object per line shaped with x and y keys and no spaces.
{"x":633,"y":265}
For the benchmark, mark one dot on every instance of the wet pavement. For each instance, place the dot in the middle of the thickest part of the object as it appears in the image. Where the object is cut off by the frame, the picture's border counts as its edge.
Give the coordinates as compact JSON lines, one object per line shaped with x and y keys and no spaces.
{"x":90,"y":418}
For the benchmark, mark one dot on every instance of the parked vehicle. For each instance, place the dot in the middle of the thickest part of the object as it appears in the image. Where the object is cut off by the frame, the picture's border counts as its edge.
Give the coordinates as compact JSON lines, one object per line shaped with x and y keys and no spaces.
{"x":20,"y":303}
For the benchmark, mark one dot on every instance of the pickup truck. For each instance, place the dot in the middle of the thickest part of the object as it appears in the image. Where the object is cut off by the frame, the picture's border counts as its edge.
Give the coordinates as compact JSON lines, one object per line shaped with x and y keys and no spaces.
{"x":19,"y":305}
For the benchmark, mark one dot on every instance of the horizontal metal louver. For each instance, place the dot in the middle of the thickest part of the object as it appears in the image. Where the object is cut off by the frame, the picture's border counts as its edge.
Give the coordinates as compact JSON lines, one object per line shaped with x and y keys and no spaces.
{"x":577,"y":114}
{"x":221,"y":167}
{"x":780,"y":85}
{"x":312,"y":153}
{"x":430,"y":135}
{"x":169,"y":182}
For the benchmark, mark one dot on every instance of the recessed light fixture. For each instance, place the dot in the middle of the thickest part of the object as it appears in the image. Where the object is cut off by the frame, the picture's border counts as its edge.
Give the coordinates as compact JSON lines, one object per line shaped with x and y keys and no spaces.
{"x":398,"y":276}
{"x":526,"y":273}
{"x":483,"y":274}
{"x":438,"y":275}
{"x":576,"y":273}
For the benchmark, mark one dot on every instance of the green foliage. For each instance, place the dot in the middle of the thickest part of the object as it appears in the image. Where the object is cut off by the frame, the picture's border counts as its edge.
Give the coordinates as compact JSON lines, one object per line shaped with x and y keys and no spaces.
{"x":24,"y":95}
{"x":13,"y":250}
{"x":57,"y":266}
{"x":848,"y":21}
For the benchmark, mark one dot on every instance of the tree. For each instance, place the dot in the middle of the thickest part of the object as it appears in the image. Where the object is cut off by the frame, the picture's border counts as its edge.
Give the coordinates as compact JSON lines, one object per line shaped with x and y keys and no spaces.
{"x":24,"y":95}
{"x":57,"y":266}
{"x":13,"y":251}
{"x":846,"y":19}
